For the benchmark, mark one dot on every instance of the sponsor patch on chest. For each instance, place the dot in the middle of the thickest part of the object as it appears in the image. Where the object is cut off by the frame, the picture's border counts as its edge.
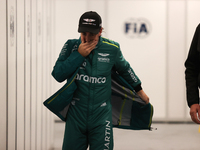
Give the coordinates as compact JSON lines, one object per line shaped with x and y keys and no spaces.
{"x":103,"y":57}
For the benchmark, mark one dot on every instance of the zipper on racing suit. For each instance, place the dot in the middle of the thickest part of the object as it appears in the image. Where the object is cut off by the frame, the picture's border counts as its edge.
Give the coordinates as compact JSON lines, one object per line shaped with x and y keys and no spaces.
{"x":91,"y":89}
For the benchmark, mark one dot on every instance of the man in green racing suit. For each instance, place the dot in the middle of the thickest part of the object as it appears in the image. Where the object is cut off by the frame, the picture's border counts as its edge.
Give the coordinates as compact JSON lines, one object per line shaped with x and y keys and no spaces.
{"x":89,"y":118}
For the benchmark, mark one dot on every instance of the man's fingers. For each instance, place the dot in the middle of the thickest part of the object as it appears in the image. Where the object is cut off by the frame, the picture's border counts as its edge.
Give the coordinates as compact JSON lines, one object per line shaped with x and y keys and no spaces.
{"x":194,"y":117}
{"x":195,"y":113}
{"x":198,"y":117}
{"x":87,"y":47}
{"x":196,"y":120}
{"x":91,"y":45}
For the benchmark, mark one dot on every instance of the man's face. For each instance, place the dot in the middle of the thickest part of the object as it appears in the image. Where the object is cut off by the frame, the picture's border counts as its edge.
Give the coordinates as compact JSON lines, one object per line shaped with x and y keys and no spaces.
{"x":89,"y":37}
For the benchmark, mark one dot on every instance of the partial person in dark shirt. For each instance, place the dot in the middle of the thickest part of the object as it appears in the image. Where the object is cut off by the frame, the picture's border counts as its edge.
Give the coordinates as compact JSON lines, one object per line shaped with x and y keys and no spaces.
{"x":192,"y":76}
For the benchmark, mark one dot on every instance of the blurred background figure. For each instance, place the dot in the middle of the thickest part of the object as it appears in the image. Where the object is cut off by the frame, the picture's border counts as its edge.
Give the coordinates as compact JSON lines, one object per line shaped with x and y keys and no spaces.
{"x":192,"y":65}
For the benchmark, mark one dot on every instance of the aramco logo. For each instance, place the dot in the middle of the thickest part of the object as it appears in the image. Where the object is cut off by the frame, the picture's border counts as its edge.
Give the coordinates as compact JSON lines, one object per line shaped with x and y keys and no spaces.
{"x":137,"y":28}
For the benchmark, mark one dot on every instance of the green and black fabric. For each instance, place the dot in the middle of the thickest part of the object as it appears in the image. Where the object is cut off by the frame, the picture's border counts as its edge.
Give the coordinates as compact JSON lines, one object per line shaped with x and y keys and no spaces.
{"x":129,"y":111}
{"x":59,"y":102}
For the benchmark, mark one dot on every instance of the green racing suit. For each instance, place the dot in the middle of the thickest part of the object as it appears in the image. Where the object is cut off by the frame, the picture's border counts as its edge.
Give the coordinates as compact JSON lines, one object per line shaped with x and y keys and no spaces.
{"x":89,"y":118}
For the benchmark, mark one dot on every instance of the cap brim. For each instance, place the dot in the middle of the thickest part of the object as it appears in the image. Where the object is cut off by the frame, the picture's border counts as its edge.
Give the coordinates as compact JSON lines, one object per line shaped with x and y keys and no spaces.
{"x":86,"y":29}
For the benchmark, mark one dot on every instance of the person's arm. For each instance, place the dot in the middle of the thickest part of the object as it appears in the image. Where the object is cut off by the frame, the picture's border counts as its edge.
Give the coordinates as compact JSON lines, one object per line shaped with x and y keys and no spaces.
{"x":125,"y":70}
{"x":192,"y":65}
{"x":71,"y":57}
{"x":69,"y":60}
{"x":192,"y":71}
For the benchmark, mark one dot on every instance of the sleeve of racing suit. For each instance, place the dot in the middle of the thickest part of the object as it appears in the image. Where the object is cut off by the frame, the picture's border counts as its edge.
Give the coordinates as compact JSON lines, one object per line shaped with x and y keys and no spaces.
{"x":67,"y":62}
{"x":192,"y":69}
{"x":124,"y":69}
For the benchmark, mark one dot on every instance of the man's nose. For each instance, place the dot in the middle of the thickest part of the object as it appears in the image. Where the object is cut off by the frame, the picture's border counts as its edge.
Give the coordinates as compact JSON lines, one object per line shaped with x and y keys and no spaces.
{"x":87,"y":37}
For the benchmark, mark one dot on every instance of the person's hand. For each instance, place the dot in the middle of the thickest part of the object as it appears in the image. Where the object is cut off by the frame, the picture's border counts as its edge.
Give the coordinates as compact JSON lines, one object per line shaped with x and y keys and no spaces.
{"x":86,"y":47}
{"x":143,"y":96}
{"x":194,"y":109}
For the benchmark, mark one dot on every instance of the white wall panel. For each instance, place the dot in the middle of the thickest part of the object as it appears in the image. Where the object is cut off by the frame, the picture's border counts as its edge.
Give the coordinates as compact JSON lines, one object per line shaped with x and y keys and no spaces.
{"x":176,"y":58}
{"x":33,"y":73}
{"x":147,"y":55}
{"x":20,"y":75}
{"x":39,"y":76}
{"x":44,"y":70}
{"x":27,"y":74}
{"x":25,"y":63}
{"x":3,"y":75}
{"x":11,"y":8}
